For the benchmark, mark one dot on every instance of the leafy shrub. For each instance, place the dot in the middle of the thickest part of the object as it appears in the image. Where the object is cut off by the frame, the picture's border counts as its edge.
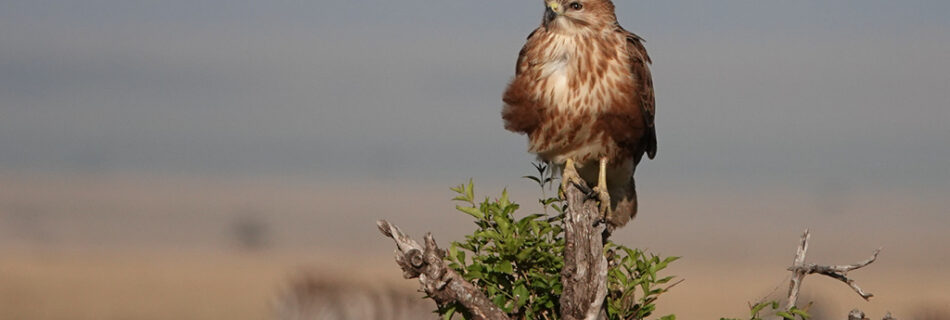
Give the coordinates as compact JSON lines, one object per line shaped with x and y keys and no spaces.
{"x":517,"y":262}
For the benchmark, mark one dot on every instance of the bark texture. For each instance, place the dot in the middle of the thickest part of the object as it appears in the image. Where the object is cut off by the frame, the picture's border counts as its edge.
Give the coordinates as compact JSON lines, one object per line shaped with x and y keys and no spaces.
{"x":800,"y":269}
{"x":584,"y":275}
{"x":585,"y":268}
{"x":440,"y":282}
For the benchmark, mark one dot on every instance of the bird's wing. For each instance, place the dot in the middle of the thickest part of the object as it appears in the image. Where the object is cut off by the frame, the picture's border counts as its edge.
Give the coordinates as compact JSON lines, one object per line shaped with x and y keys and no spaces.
{"x":639,"y":64}
{"x":519,"y":66}
{"x":521,"y":113}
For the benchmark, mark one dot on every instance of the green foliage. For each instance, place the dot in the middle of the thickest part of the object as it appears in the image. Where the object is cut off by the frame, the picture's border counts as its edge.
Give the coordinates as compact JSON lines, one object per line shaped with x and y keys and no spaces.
{"x":756,"y":310}
{"x":517,"y":262}
{"x":630,"y":270}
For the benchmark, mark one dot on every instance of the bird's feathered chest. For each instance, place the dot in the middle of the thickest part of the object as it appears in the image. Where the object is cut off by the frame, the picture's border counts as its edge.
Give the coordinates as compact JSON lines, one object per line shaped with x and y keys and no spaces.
{"x":564,"y":87}
{"x":577,"y":74}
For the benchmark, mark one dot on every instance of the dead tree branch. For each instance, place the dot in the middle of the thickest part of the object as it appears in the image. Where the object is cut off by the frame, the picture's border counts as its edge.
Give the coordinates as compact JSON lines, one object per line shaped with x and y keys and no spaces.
{"x":584,"y":276}
{"x":797,"y":277}
{"x":859,"y":315}
{"x":856,"y":315}
{"x":440,"y":282}
{"x":585,"y":268}
{"x":799,"y":270}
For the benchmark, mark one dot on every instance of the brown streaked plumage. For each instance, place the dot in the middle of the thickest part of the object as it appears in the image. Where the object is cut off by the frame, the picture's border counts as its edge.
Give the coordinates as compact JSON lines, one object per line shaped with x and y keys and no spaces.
{"x":583,"y":92}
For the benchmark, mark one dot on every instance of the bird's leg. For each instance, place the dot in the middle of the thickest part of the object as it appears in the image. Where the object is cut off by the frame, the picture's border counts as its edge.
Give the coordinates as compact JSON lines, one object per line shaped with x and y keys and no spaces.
{"x":570,"y":175}
{"x":601,"y":188}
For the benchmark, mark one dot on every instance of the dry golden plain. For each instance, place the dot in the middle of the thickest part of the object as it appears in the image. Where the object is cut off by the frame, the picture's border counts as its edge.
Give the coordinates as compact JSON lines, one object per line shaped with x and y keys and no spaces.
{"x":160,"y":247}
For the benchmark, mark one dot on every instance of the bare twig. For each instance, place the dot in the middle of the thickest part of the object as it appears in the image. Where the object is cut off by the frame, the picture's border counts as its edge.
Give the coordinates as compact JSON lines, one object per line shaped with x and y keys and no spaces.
{"x":799,"y":270}
{"x":440,"y":282}
{"x":859,"y":315}
{"x":841,"y":273}
{"x":796,"y":283}
{"x":856,"y":315}
{"x":585,"y":267}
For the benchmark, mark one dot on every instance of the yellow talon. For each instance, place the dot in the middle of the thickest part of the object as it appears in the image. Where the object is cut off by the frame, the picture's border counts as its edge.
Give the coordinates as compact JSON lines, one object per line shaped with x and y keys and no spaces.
{"x":601,"y":189}
{"x":570,"y":175}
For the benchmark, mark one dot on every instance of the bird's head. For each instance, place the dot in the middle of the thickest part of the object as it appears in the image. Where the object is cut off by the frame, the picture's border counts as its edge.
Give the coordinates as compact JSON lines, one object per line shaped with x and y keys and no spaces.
{"x":578,"y":15}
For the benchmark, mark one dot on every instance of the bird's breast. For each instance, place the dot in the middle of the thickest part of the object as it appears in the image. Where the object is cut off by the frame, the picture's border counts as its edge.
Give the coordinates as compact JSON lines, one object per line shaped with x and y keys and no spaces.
{"x":576,"y":83}
{"x":575,"y":74}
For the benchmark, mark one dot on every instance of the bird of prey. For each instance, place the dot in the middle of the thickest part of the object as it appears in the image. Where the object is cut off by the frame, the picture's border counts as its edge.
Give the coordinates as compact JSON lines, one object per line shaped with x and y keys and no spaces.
{"x":583,"y":94}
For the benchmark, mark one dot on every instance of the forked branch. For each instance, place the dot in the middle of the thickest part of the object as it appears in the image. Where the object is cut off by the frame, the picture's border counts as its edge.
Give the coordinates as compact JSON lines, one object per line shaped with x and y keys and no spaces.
{"x":799,"y":270}
{"x":584,"y":276}
{"x":440,"y":282}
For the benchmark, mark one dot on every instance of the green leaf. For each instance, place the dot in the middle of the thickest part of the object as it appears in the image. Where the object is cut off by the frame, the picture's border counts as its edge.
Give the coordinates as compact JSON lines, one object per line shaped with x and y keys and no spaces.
{"x":453,"y":252}
{"x":504,"y":198}
{"x":490,"y":234}
{"x":448,"y":313}
{"x":499,"y":301}
{"x":503,"y":224}
{"x":801,"y":313}
{"x":471,"y":211}
{"x":521,"y":294}
{"x":470,"y":191}
{"x":758,"y":307}
{"x":505,"y":267}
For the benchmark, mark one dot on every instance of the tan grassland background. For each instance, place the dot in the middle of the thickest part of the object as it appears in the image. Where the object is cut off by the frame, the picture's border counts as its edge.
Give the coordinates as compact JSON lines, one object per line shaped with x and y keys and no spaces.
{"x":141,"y":247}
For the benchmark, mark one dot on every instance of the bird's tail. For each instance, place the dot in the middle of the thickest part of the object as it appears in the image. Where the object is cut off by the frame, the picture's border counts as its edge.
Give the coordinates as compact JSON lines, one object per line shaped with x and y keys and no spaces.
{"x":623,"y":203}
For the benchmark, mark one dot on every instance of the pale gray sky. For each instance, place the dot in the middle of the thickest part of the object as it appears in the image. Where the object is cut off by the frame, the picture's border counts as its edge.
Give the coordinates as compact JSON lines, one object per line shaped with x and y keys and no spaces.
{"x":763,"y":92}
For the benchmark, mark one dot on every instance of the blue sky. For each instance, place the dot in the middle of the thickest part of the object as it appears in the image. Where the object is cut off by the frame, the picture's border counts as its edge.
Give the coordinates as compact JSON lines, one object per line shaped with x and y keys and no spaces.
{"x":761,"y":92}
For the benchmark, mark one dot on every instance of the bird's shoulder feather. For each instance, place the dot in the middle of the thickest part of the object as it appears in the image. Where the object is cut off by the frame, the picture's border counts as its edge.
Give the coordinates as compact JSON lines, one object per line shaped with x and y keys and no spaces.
{"x":640,"y":69}
{"x":531,"y":41}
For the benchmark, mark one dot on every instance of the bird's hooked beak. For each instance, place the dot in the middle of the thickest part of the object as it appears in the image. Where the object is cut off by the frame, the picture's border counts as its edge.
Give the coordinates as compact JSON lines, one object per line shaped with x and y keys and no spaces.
{"x":552,"y":10}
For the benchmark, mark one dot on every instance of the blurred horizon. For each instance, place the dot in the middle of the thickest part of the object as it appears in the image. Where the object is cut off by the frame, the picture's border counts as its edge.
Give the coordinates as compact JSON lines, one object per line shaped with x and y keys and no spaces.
{"x":768,"y":92}
{"x":270,"y":136}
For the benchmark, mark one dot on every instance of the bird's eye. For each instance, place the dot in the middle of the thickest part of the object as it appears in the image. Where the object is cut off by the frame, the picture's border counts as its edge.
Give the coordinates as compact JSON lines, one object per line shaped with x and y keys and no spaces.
{"x":576,"y":5}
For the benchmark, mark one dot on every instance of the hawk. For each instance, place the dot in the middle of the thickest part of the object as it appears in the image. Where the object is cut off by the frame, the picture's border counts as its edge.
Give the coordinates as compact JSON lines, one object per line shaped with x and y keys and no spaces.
{"x":583,"y":94}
